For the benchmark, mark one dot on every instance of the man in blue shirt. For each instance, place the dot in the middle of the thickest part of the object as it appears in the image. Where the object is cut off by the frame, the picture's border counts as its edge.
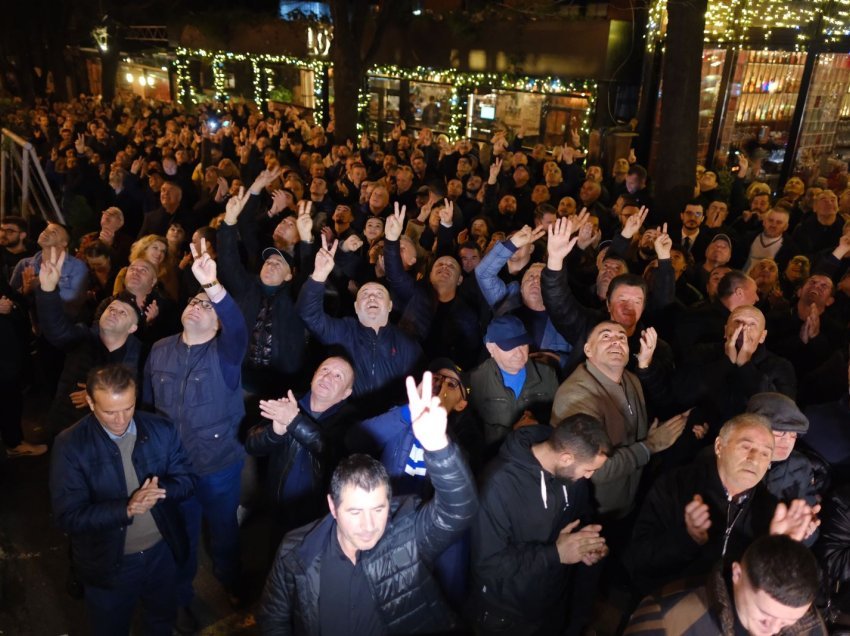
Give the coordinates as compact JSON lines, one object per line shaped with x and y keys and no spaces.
{"x":510,"y":387}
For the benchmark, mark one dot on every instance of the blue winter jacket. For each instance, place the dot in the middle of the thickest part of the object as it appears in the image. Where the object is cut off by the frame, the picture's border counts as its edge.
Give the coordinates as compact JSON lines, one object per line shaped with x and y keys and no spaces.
{"x":88,"y":491}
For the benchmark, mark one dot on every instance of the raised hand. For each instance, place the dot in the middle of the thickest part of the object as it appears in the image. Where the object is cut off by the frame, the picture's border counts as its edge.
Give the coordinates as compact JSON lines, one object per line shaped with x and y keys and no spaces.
{"x":662,"y":436}
{"x":395,"y":222}
{"x":648,"y":342}
{"x":264,"y":179}
{"x":324,"y":261}
{"x":151,"y":312}
{"x":222,"y":189}
{"x":203,"y":266}
{"x":752,"y":338}
{"x":304,"y":222}
{"x":447,"y":213}
{"x":797,"y":520}
{"x":526,"y":235}
{"x":731,"y":345}
{"x":697,"y":520}
{"x":51,"y":269}
{"x":495,"y":169}
{"x":145,"y":498}
{"x":559,"y":244}
{"x":634,"y":223}
{"x":428,"y":416}
{"x":663,"y":244}
{"x":577,"y":545}
{"x":281,"y":412}
{"x":811,"y":327}
{"x":352,"y":244}
{"x":106,"y":236}
{"x":80,"y":144}
{"x":235,"y":205}
{"x":280,"y":201}
{"x":587,"y":235}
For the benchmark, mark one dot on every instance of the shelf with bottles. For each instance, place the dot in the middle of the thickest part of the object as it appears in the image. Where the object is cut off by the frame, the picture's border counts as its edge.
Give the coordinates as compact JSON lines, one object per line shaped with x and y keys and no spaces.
{"x":765,"y":108}
{"x":772,"y":78}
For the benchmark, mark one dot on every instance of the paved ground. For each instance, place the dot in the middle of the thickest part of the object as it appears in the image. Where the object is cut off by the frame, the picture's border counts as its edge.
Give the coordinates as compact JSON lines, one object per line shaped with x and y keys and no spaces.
{"x":34,"y":559}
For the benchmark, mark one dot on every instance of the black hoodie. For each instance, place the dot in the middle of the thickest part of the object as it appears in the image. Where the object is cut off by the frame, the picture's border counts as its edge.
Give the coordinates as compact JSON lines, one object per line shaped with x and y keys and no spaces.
{"x":515,"y":564}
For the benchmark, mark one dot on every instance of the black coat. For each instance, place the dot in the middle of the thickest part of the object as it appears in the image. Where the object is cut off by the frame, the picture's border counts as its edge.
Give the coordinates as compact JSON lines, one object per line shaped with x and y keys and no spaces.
{"x":516,"y":568}
{"x":662,"y":550}
{"x":288,"y":332}
{"x":84,"y":350}
{"x":397,"y":568}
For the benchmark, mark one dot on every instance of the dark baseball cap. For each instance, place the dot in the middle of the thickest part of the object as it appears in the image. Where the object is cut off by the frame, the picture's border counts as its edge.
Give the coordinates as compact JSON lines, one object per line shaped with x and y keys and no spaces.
{"x":507,"y":332}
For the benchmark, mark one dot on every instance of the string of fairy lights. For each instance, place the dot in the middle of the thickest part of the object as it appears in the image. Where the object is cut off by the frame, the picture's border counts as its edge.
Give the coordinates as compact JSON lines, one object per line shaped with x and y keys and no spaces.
{"x":461,"y":84}
{"x":752,"y":23}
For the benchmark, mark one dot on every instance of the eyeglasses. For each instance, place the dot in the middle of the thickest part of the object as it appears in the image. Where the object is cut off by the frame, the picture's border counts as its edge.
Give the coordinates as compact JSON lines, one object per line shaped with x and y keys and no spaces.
{"x":444,"y":379}
{"x":788,"y":434}
{"x":205,"y":304}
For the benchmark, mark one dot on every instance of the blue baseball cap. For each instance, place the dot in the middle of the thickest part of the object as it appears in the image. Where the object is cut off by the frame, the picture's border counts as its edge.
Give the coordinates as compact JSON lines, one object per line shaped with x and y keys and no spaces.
{"x":507,"y":332}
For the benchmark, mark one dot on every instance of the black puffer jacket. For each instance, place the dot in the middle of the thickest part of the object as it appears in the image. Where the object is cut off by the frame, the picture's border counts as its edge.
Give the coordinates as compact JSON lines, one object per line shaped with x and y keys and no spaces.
{"x":314,"y":442}
{"x":833,"y":548}
{"x":397,"y":568}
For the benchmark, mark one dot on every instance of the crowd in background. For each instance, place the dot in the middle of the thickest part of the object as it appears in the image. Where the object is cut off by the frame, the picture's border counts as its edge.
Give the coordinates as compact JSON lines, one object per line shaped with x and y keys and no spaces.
{"x":532,"y":283}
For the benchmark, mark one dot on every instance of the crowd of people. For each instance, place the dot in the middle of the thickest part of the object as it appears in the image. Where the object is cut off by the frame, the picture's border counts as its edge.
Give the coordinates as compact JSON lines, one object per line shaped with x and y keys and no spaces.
{"x":487,"y":387}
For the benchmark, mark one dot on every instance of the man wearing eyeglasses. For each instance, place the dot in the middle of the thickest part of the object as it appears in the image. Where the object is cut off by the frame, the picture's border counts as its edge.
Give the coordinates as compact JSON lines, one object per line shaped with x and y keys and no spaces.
{"x":13,"y":243}
{"x":389,"y":438}
{"x":693,"y":240}
{"x":194,"y":379}
{"x":791,"y":474}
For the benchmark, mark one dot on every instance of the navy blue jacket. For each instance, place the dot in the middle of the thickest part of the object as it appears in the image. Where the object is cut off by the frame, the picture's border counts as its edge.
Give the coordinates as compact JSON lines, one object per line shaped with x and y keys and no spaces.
{"x":199,"y":388}
{"x":381,"y":360}
{"x":89,"y":492}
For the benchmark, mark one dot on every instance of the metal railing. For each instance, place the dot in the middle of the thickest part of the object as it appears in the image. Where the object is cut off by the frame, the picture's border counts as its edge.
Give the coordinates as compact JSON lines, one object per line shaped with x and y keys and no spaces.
{"x":24,"y":188}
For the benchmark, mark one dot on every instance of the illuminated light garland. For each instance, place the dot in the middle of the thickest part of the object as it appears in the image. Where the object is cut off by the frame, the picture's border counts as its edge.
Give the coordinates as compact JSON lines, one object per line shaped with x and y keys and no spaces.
{"x":219,"y":58}
{"x":459,"y":83}
{"x":731,"y":22}
{"x":497,"y":81}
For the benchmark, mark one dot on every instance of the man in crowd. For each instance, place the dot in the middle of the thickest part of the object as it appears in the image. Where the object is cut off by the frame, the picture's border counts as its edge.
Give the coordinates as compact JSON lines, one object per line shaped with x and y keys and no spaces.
{"x":531,"y":535}
{"x":602,"y":387}
{"x":110,"y":340}
{"x":13,"y":244}
{"x":117,"y":479}
{"x":381,"y":352}
{"x":713,"y":508}
{"x":771,"y":591}
{"x":74,"y":273}
{"x":303,"y":442}
{"x":193,"y":378}
{"x":363,"y":569}
{"x":510,"y":387}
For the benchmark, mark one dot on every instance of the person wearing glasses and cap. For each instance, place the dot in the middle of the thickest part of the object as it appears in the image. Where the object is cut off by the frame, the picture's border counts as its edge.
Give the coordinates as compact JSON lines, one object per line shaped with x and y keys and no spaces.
{"x":791,"y":474}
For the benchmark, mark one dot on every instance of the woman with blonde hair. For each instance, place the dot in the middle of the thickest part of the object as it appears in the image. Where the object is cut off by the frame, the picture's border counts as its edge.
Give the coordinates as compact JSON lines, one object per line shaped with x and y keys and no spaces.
{"x":765,"y":272}
{"x":154,"y":249}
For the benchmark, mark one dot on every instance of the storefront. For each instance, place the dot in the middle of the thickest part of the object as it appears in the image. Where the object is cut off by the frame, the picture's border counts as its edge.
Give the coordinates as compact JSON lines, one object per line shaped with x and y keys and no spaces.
{"x":771,"y":85}
{"x":476,"y":105}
